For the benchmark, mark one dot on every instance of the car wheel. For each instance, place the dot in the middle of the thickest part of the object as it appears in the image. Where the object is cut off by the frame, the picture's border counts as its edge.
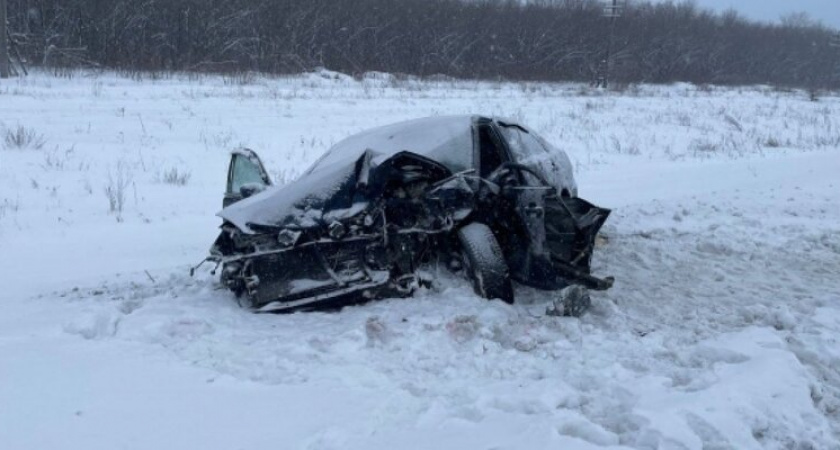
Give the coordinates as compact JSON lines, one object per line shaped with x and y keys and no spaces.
{"x":484,"y":263}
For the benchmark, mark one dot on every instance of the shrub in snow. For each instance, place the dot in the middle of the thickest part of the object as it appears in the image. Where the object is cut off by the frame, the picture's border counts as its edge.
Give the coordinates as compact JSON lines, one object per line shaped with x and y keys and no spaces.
{"x":21,"y":138}
{"x":772,"y":142}
{"x":176,"y":177}
{"x":118,"y":182}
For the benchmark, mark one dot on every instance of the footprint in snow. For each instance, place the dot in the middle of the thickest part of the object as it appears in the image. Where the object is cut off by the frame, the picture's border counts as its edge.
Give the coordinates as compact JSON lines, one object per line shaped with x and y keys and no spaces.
{"x":708,"y":434}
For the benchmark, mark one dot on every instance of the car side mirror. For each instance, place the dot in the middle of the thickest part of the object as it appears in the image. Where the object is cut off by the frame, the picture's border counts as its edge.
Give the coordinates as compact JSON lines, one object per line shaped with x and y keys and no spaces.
{"x":249,"y":189}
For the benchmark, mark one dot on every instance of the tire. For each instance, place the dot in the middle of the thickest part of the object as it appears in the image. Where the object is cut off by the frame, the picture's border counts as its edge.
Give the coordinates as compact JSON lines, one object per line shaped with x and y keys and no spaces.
{"x":484,"y":263}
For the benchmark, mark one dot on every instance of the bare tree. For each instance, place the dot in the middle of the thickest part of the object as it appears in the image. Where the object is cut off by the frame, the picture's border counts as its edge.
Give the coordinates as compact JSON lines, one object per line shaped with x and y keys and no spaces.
{"x":488,"y":39}
{"x":4,"y":44}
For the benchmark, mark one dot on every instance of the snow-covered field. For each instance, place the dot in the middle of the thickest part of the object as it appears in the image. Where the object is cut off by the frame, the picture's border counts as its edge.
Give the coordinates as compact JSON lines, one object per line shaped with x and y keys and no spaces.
{"x":720,"y":333}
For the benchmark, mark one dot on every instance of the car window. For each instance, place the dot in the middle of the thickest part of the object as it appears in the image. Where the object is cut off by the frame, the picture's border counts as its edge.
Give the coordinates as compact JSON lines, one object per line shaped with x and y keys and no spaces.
{"x":245,"y":172}
{"x":456,"y":153}
{"x":490,"y":155}
{"x":522,"y":144}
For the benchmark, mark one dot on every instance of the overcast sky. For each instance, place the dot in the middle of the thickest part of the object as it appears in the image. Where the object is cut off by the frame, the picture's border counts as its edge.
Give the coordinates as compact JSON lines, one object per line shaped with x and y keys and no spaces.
{"x":826,"y":11}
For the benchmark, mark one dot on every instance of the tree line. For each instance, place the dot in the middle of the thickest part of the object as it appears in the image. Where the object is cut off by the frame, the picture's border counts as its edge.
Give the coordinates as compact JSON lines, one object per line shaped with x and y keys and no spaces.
{"x":536,"y":40}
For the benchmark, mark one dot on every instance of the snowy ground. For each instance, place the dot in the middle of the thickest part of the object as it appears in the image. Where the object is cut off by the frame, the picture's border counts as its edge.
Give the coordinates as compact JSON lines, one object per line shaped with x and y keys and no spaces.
{"x":720,"y":333}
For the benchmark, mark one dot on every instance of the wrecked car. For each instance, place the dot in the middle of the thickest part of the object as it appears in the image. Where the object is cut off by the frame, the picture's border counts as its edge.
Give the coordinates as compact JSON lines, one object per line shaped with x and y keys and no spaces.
{"x":483,"y":197}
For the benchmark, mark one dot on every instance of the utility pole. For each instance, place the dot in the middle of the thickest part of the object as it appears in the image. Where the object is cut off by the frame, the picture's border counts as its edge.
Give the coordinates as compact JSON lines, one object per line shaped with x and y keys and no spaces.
{"x":835,"y":43}
{"x":613,"y":9}
{"x":5,"y":70}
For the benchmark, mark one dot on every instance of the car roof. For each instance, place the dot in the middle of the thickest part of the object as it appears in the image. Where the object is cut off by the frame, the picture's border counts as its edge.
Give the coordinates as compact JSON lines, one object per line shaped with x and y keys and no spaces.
{"x":445,"y":139}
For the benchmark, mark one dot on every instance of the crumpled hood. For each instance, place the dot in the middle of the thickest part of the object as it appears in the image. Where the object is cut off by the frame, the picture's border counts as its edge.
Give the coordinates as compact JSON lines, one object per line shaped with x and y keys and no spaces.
{"x":300,"y":204}
{"x":334,"y":192}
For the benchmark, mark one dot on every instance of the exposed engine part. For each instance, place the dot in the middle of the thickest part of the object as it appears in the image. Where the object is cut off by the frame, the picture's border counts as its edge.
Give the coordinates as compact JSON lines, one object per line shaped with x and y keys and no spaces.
{"x":288,"y":238}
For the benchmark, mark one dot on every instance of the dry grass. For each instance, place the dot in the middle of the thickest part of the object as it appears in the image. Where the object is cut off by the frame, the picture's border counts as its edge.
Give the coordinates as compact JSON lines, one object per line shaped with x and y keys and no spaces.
{"x":23,"y":138}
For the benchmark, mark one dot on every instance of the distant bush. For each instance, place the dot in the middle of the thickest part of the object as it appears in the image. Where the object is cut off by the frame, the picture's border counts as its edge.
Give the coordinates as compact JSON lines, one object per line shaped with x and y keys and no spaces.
{"x":118,"y":182}
{"x":22,"y":138}
{"x":772,"y":142}
{"x":176,"y":177}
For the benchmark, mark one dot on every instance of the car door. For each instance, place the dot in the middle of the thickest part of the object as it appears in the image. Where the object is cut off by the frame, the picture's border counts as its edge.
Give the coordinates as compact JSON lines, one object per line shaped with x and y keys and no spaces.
{"x":515,"y":214}
{"x":520,"y":214}
{"x":530,"y":149}
{"x":246,"y":176}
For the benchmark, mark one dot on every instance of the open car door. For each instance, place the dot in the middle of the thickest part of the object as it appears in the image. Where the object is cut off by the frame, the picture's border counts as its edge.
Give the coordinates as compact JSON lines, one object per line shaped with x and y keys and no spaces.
{"x":246,"y":176}
{"x":552,"y":239}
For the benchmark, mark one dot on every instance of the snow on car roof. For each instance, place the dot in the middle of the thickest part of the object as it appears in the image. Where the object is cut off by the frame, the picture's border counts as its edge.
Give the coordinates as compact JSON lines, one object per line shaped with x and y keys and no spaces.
{"x":445,"y":139}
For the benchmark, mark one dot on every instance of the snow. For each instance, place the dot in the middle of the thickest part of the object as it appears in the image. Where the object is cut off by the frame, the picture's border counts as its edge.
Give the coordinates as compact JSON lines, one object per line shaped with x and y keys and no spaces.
{"x":447,"y":139}
{"x":721,"y":330}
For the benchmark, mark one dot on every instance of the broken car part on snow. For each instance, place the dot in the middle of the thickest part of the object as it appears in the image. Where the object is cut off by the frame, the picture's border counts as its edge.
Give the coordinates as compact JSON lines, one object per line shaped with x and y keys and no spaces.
{"x":382,"y":210}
